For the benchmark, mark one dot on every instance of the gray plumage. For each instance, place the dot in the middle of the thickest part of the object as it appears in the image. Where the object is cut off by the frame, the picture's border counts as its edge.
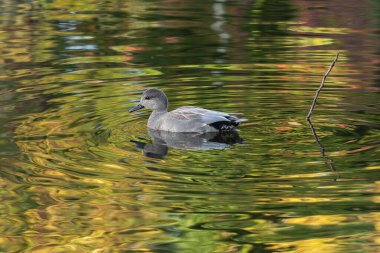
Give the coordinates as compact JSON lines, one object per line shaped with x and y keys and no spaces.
{"x":183,"y":119}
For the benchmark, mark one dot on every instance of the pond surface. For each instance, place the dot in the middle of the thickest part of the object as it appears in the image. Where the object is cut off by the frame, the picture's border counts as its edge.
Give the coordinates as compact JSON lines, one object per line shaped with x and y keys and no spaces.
{"x":78,"y":173}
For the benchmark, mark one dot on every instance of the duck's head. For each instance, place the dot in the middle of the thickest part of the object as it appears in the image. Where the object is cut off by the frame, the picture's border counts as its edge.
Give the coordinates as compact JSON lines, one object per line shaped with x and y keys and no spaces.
{"x":153,"y":99}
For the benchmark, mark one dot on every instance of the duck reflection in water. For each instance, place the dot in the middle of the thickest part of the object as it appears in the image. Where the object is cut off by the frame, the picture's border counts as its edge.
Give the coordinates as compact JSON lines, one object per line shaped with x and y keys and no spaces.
{"x":163,"y":140}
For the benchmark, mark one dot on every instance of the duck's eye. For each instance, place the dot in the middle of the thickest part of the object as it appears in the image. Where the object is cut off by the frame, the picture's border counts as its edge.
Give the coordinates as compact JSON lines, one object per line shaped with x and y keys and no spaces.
{"x":147,"y":98}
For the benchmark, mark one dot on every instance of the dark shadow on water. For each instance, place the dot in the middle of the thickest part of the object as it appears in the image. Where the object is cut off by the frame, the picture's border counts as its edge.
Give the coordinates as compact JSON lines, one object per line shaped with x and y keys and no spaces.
{"x":162,"y":141}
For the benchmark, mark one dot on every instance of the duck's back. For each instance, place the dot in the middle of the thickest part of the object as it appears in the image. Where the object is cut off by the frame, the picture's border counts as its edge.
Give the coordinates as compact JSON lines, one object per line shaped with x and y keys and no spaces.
{"x":196,"y":119}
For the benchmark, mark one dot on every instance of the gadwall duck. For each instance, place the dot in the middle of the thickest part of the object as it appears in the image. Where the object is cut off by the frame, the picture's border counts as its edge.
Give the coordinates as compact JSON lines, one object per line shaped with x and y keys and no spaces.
{"x":184,"y":119}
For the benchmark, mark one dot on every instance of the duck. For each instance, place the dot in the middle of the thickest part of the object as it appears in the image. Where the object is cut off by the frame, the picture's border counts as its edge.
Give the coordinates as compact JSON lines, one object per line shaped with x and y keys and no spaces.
{"x":185,"y":119}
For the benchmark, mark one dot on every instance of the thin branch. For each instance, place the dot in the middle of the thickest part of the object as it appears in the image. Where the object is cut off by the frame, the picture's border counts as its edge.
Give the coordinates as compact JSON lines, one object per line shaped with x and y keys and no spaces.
{"x":321,"y":86}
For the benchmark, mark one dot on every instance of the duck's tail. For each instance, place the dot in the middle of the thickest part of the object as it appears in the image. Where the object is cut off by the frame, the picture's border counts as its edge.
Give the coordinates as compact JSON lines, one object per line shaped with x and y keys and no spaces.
{"x":241,"y":120}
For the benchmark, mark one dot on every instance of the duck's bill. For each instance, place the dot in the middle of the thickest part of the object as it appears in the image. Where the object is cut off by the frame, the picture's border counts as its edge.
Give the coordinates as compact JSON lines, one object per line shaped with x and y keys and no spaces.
{"x":137,"y":107}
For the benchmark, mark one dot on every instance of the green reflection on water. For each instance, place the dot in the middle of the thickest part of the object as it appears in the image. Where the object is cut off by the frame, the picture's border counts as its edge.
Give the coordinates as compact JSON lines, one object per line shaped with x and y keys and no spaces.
{"x":81,"y":174}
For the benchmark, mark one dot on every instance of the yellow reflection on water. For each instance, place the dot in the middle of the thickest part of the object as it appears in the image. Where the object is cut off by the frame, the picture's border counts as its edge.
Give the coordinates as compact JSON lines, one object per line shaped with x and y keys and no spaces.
{"x":311,"y":245}
{"x":317,"y":220}
{"x":320,"y":30}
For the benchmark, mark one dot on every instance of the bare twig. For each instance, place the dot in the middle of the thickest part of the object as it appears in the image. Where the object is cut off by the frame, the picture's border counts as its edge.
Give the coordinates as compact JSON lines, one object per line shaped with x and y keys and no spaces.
{"x":328,"y":161}
{"x":321,"y":86}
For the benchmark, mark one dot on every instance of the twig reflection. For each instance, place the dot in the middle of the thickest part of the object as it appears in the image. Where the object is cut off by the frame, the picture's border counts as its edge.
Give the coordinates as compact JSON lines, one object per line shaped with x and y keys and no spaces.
{"x":329,"y":162}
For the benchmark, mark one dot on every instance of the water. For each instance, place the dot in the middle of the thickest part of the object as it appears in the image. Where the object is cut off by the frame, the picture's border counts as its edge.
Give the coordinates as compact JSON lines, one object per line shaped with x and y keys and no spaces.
{"x":81,"y":174}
